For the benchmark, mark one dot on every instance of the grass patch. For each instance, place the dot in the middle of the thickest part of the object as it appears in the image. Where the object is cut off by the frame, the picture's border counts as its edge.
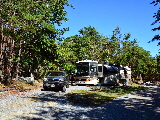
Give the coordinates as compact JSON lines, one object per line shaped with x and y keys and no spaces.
{"x":97,"y":97}
{"x":19,"y":85}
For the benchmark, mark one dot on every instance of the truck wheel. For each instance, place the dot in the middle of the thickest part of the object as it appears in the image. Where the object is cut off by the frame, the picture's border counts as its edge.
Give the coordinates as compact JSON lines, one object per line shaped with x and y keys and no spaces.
{"x":67,"y":86}
{"x":63,"y":88}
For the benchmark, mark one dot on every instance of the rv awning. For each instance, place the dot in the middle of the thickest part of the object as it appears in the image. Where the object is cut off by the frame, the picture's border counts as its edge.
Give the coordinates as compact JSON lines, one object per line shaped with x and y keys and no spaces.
{"x":111,"y":68}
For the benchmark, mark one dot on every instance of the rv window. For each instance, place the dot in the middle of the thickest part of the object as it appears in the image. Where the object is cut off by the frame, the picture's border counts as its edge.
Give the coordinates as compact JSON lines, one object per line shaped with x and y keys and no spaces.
{"x":82,"y":68}
{"x":99,"y":68}
{"x":93,"y":68}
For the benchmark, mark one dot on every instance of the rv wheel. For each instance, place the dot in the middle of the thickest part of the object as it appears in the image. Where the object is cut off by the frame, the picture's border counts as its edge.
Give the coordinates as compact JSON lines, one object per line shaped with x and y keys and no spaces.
{"x":45,"y":88}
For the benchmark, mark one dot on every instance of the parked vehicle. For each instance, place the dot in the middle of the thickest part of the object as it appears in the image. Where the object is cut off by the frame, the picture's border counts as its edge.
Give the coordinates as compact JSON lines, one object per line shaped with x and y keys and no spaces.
{"x":56,"y":80}
{"x":86,"y":73}
{"x":90,"y":72}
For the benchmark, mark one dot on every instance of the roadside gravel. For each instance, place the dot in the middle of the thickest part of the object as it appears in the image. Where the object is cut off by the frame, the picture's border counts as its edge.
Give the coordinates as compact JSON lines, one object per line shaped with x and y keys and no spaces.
{"x":37,"y":104}
{"x":49,"y":105}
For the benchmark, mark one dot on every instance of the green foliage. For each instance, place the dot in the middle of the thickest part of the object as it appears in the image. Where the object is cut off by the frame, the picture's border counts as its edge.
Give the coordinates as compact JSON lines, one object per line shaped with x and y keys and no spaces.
{"x":157,"y":20}
{"x":31,"y":25}
{"x":34,"y":44}
{"x":116,"y":49}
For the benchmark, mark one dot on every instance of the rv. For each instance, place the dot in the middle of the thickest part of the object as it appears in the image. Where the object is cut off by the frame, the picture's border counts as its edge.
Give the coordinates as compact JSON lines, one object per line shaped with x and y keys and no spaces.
{"x":90,"y":72}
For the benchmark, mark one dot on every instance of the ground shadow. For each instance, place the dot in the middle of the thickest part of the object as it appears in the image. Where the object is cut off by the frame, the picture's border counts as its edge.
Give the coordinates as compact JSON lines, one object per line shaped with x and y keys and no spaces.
{"x":142,"y":105}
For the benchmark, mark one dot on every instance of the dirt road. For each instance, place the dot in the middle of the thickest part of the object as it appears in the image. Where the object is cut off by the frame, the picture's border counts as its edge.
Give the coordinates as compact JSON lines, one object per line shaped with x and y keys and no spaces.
{"x":47,"y":105}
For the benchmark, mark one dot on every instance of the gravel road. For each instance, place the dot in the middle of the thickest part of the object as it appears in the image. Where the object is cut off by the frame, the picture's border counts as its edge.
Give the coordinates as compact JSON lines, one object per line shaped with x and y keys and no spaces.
{"x":49,"y":105}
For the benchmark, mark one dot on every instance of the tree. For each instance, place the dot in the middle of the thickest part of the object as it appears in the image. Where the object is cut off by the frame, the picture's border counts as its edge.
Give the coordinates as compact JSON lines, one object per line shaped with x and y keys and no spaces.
{"x":85,"y":45}
{"x":117,"y":49}
{"x":31,"y":25}
{"x":157,"y":20}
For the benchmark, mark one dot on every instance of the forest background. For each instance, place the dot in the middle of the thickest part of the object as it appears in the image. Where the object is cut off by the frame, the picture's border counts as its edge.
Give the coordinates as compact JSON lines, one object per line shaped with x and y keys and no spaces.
{"x":32,"y":44}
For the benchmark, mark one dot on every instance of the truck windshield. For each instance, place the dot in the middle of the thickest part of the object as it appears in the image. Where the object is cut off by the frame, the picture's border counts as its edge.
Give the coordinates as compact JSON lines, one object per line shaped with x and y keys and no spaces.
{"x":56,"y":74}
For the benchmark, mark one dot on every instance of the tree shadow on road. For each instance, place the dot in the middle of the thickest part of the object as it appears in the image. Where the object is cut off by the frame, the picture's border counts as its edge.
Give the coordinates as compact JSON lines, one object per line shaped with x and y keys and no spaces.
{"x":142,"y":105}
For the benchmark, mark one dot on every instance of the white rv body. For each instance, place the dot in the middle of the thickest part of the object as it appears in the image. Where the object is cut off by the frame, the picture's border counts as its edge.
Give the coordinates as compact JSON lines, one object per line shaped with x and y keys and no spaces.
{"x":92,"y":72}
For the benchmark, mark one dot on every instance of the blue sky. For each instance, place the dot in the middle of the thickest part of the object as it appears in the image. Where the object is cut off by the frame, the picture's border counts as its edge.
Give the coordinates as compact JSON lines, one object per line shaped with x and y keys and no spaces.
{"x":132,"y":16}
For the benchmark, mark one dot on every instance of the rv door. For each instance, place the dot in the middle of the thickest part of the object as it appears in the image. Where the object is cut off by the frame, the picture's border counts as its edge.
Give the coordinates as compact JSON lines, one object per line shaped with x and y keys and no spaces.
{"x":100,"y":70}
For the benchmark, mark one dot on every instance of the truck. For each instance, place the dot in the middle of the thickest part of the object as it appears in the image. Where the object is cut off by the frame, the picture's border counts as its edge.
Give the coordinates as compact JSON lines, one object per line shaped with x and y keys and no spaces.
{"x":91,"y":72}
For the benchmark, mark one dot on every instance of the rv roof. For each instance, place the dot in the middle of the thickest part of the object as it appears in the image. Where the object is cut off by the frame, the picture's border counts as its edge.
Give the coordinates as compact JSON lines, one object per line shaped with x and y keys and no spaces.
{"x":88,"y":61}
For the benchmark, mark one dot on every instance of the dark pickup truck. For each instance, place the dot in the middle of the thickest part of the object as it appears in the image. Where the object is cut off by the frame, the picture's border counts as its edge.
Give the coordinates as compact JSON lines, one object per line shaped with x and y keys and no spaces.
{"x":56,"y":80}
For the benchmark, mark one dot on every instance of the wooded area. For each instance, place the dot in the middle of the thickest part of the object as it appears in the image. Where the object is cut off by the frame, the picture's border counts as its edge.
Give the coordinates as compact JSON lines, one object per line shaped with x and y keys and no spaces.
{"x":31,"y":44}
